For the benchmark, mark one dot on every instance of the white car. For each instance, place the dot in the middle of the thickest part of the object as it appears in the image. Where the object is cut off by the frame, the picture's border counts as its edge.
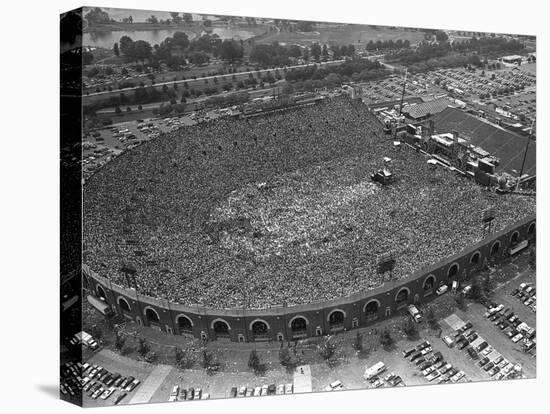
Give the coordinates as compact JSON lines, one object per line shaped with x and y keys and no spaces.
{"x":428,"y":370}
{"x":257,"y":391}
{"x":335,"y":386}
{"x":107,"y":393}
{"x":281,"y":389}
{"x":433,"y":375}
{"x":458,"y":376}
{"x":487,"y":351}
{"x":264,"y":390}
{"x":289,"y":389}
{"x":517,"y":338}
{"x":174,"y":393}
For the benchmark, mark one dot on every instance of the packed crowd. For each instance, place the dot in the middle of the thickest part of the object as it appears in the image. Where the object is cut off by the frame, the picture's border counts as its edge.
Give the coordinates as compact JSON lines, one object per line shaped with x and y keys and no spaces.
{"x":277,"y":209}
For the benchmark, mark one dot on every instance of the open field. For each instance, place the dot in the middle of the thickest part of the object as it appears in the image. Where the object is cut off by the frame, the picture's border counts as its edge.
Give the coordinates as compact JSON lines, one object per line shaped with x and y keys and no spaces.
{"x":357,"y":35}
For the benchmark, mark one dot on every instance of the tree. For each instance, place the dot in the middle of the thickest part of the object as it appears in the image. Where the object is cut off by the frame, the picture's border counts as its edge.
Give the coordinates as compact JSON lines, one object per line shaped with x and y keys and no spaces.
{"x":254,"y":361}
{"x":431,"y":318}
{"x":230,"y":50}
{"x":325,"y":51}
{"x":118,"y":110}
{"x":97,"y":333}
{"x":97,"y":16}
{"x":386,"y":339}
{"x":207,"y":23}
{"x":187,"y":17}
{"x":294,"y":51}
{"x":358,"y":342}
{"x":410,"y":329}
{"x":143,"y":347}
{"x":120,"y":340}
{"x":441,"y":36}
{"x":142,"y":50}
{"x":176,"y":18}
{"x":305,"y":26}
{"x":210,"y":361}
{"x":153,"y":19}
{"x":126,"y":46}
{"x":198,"y":58}
{"x":115,"y":49}
{"x":460,"y":301}
{"x":180,"y":39}
{"x":87,"y":58}
{"x":315,"y":51}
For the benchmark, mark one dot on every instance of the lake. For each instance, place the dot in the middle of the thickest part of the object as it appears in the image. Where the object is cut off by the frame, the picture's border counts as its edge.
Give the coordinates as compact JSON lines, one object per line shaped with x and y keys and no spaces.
{"x":108,"y":39}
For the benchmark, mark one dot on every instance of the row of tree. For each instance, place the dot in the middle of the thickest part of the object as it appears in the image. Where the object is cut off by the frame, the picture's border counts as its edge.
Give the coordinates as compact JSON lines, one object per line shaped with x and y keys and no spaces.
{"x":387,"y":45}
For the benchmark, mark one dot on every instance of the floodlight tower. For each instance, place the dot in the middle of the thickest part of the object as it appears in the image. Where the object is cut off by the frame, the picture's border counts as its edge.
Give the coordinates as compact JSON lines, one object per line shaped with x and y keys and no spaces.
{"x":525,"y":154}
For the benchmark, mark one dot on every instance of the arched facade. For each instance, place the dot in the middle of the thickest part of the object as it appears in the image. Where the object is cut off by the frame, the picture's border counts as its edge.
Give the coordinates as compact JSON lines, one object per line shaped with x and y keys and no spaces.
{"x":151,"y":315}
{"x":124,"y":304}
{"x":184,"y":323}
{"x":428,"y":286}
{"x":308,"y":320}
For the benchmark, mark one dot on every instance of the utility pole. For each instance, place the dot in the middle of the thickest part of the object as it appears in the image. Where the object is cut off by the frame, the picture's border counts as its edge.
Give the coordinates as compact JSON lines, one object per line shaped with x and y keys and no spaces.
{"x":525,"y":154}
{"x":401,"y":104}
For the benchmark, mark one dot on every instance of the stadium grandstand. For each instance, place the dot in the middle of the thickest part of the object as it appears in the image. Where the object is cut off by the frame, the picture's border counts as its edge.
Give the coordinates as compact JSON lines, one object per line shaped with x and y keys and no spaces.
{"x":278,"y":208}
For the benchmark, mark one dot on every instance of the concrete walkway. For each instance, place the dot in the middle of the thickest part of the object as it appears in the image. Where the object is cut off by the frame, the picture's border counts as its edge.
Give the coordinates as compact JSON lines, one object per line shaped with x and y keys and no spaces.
{"x":302,"y":379}
{"x":150,"y":385}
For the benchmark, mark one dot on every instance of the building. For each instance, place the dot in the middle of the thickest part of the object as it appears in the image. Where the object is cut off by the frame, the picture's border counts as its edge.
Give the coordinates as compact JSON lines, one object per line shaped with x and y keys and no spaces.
{"x":421,"y":111}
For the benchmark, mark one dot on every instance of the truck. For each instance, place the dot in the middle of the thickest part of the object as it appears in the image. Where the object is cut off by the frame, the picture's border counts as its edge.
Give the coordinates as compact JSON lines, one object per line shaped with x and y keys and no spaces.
{"x":84,"y":339}
{"x":415,"y":313}
{"x":374,"y":371}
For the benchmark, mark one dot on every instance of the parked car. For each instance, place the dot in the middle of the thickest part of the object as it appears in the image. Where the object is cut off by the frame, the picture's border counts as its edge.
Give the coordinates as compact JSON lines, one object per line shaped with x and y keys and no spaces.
{"x":233,"y":392}
{"x":483,"y":361}
{"x":448,"y":341}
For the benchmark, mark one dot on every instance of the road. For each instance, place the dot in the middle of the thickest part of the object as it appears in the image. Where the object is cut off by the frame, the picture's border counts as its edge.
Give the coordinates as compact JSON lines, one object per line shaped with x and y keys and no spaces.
{"x":238,"y":76}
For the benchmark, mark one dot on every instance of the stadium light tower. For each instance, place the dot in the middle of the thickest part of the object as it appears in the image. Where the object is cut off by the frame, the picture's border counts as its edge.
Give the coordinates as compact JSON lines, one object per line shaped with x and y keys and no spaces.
{"x":401,"y":103}
{"x":525,"y":154}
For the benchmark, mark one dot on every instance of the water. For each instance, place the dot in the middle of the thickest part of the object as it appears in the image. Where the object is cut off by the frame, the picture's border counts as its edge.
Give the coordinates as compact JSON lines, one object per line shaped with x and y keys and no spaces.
{"x":108,"y":39}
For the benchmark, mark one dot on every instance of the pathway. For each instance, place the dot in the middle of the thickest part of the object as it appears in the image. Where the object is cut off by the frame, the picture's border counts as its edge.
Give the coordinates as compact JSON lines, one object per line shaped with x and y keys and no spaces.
{"x":151,"y":384}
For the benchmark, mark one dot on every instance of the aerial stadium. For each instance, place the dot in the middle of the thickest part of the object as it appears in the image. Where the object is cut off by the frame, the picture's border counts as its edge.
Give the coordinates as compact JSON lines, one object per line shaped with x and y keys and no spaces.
{"x":298,"y":222}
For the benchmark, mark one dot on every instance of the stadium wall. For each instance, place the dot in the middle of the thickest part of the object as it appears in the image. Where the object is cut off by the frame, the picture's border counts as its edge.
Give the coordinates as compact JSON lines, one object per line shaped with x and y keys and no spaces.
{"x":296,"y":322}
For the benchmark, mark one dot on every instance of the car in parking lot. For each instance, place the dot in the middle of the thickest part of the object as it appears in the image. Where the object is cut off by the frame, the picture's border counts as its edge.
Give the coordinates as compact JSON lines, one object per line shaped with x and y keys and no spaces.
{"x":488,"y":366}
{"x":264,"y":389}
{"x":249,"y":392}
{"x":107,"y":393}
{"x":257,"y":391}
{"x":487,"y":350}
{"x":517,"y":338}
{"x":428,"y":370}
{"x":458,"y":376}
{"x":233,"y":392}
{"x":493,"y":371}
{"x":242,"y":392}
{"x":119,"y":398}
{"x":433,"y":375}
{"x":280,"y":389}
{"x":289,"y":388}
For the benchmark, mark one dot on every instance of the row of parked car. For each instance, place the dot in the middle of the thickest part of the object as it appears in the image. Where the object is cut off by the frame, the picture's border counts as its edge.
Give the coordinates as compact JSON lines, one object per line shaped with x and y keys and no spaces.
{"x":527,"y":294}
{"x":183,"y":394}
{"x":432,"y":365}
{"x":98,"y":382}
{"x":265,"y":389}
{"x":511,"y":325}
{"x":487,"y":358}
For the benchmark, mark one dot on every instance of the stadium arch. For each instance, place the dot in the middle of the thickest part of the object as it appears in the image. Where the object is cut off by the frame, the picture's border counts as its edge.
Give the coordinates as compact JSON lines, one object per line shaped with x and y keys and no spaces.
{"x":429,"y":285}
{"x":514,"y":238}
{"x":402,"y":297}
{"x":495,"y":248}
{"x":298,"y":326}
{"x":221,"y":328}
{"x":453,"y":270}
{"x":475,"y":258}
{"x":371,"y":308}
{"x":124,"y":304}
{"x":151,"y":315}
{"x":184,"y":323}
{"x":101,"y":292}
{"x":531,"y":229}
{"x":260,"y":329}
